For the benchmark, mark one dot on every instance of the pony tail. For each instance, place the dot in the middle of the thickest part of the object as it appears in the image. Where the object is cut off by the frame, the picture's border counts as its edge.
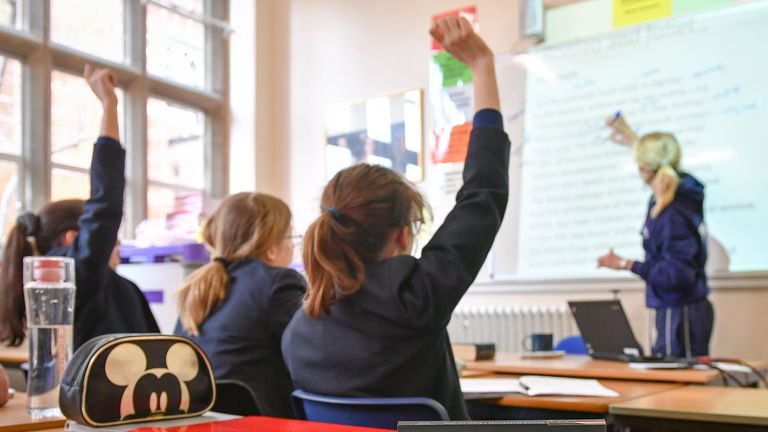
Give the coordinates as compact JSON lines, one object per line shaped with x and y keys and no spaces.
{"x":203,"y":290}
{"x":333,"y":267}
{"x":12,"y":310}
{"x":664,"y":185}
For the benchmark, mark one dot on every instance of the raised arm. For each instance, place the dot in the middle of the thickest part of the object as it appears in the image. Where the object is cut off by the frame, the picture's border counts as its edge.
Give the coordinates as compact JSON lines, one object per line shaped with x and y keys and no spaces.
{"x":451,"y":260}
{"x":103,"y":211}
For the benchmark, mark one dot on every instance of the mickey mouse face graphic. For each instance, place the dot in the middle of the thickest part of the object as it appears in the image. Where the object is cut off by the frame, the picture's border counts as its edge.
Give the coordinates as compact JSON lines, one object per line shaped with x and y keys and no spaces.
{"x":156,"y":391}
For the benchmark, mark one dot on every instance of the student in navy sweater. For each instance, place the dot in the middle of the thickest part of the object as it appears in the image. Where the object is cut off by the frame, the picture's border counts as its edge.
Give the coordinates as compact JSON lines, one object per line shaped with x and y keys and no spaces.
{"x":675,"y":250}
{"x":374,"y":321}
{"x":87,"y":231}
{"x":237,"y":306}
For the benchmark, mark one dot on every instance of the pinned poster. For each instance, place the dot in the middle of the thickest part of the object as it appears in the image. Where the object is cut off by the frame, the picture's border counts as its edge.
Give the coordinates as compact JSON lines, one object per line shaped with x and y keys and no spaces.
{"x":450,"y":144}
{"x":629,"y":12}
{"x":454,"y":72}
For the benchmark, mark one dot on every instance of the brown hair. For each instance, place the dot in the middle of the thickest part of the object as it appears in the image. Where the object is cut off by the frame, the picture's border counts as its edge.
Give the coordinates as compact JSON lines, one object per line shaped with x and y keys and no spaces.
{"x":660,"y":153}
{"x":45,"y":232}
{"x":360,"y":207}
{"x":245,"y":225}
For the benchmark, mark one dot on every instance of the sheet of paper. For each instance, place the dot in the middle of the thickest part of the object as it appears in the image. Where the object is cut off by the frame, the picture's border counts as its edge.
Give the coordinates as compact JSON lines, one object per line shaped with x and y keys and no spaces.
{"x":546,"y":385}
{"x":491,"y":385}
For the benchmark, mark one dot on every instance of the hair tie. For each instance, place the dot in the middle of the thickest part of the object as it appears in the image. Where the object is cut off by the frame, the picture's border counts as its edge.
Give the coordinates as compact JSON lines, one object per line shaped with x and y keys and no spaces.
{"x":335,"y":213}
{"x":223,"y":261}
{"x":30,"y":223}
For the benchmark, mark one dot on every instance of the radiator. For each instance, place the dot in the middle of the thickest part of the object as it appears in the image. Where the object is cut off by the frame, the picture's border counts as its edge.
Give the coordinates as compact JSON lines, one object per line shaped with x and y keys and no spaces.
{"x":506,"y":326}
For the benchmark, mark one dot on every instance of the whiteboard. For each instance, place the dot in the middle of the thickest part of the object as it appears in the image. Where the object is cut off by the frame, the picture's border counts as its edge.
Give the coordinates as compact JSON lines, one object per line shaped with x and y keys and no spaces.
{"x":702,"y":77}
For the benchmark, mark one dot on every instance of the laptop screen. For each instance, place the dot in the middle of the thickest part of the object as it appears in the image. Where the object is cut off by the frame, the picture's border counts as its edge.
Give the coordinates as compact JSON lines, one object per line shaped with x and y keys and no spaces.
{"x":605,"y":329}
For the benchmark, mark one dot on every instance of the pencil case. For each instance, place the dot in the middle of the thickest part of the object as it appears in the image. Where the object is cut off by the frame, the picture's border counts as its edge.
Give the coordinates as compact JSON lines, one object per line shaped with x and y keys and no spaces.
{"x":125,"y":378}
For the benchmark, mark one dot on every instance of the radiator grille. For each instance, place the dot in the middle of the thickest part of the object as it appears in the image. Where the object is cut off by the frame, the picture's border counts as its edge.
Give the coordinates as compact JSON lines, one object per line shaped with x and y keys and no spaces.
{"x":506,"y":326}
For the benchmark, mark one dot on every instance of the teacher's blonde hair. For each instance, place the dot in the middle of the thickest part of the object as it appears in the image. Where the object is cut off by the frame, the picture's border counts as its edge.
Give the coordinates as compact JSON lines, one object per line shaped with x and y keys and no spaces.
{"x":660,"y":152}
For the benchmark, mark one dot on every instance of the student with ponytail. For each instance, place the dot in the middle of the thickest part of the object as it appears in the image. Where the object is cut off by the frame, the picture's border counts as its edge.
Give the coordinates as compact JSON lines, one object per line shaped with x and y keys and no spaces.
{"x":675,"y":249}
{"x":87,"y":231}
{"x":237,"y":306}
{"x":374,"y":320}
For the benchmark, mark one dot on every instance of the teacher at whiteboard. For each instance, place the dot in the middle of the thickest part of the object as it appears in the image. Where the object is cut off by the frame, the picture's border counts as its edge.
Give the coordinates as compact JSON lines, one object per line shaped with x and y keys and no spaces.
{"x":675,"y":251}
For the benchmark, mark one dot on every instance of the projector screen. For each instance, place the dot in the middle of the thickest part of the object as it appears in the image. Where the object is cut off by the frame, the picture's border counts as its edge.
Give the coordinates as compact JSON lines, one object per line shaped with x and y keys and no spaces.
{"x":702,"y":77}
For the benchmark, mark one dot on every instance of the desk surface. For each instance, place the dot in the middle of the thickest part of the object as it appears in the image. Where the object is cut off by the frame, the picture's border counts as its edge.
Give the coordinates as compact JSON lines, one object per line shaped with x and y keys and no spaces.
{"x":14,"y":417}
{"x":582,"y":366}
{"x":627,"y":390}
{"x":704,"y":404}
{"x":14,"y":355}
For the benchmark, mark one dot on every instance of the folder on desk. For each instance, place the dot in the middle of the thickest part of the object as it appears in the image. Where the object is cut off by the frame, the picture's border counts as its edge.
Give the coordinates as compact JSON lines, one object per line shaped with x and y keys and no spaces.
{"x":534,"y":385}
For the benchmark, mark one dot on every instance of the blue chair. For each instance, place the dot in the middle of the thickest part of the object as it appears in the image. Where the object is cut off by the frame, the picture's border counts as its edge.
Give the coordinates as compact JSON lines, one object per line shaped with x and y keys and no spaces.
{"x":572,"y":345}
{"x":368,"y":412}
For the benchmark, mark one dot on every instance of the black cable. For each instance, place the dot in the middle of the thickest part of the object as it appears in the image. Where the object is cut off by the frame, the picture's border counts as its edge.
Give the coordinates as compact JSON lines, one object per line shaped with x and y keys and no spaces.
{"x":757,"y":373}
{"x":725,"y":374}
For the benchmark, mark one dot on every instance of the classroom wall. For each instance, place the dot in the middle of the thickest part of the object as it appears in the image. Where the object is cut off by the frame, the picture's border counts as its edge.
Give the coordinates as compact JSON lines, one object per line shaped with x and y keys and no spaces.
{"x":319,"y":53}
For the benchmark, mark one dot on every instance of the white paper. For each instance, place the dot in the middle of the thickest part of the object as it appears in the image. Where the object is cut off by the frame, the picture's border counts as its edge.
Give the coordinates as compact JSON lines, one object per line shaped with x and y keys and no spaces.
{"x":534,"y":385}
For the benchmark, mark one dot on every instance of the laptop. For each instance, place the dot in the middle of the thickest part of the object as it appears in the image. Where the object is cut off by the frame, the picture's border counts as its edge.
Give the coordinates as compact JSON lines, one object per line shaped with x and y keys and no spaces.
{"x":607,"y":333}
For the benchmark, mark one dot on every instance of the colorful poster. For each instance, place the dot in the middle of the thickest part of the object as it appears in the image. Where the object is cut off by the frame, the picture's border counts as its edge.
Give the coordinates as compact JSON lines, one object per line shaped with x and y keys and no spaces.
{"x":629,"y":12}
{"x":449,"y":144}
{"x":451,"y":93}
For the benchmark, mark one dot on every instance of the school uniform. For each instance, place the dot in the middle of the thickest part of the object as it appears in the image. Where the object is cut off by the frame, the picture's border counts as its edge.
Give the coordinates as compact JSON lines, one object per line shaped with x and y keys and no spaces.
{"x":242,"y":335}
{"x":389,"y":339}
{"x":675,"y":257}
{"x":105,"y":302}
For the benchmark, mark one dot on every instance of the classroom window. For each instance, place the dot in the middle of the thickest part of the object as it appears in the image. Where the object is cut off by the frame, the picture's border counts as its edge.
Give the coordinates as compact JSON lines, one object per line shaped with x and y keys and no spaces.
{"x":176,"y":151}
{"x":168,"y":58}
{"x":176,"y":43}
{"x":9,"y":13}
{"x":10,"y":139}
{"x":91,"y":26}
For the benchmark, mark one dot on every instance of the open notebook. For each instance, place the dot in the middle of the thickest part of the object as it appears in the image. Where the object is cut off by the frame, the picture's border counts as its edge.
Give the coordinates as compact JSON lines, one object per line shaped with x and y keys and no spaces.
{"x":534,"y":385}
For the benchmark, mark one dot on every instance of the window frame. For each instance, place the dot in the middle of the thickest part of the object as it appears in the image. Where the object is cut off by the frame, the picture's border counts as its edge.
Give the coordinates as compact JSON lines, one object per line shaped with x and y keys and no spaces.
{"x":39,"y":56}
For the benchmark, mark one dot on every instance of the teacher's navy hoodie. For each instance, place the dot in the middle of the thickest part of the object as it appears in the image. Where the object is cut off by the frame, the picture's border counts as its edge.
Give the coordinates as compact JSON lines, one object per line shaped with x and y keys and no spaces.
{"x":675,"y":251}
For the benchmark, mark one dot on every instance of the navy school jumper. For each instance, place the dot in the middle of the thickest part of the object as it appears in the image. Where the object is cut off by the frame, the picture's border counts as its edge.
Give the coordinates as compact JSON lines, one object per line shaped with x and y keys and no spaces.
{"x":389,"y":339}
{"x":242,"y":335}
{"x":675,"y":257}
{"x":105,"y":302}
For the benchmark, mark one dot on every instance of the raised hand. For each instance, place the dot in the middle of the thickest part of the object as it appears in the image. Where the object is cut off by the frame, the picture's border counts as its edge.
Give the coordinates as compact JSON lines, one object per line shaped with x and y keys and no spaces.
{"x":458,"y":37}
{"x":621,"y":133}
{"x":102,"y":82}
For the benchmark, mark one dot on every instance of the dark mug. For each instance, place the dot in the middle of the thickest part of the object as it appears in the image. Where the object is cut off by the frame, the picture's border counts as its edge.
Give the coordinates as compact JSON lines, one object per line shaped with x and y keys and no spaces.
{"x":539,"y":342}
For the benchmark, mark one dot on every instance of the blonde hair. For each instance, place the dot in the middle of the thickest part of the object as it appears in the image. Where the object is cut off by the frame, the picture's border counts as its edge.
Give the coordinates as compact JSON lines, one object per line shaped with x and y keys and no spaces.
{"x":360,"y":206}
{"x":245,"y":225}
{"x":660,"y":153}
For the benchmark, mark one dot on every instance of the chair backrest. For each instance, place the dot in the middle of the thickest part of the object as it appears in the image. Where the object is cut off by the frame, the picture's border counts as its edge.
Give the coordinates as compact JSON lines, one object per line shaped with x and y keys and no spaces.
{"x":234,"y":397}
{"x":368,"y":412}
{"x":572,"y":345}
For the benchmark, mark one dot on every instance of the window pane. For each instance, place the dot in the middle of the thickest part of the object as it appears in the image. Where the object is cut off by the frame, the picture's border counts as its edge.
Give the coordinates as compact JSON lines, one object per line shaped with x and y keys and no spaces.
{"x":10,"y":106}
{"x":75,"y":119}
{"x":69,"y":184}
{"x":9,"y":182}
{"x":175,"y":144}
{"x":9,"y":13}
{"x":180,"y":208}
{"x":93,"y":26}
{"x":176,"y":44}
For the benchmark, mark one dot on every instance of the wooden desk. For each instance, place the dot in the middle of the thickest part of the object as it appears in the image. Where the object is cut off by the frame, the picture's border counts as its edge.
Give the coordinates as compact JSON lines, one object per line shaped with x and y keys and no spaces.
{"x":14,"y":417}
{"x":14,"y":355}
{"x":582,"y":366}
{"x":627,"y":390}
{"x":695,"y":408}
